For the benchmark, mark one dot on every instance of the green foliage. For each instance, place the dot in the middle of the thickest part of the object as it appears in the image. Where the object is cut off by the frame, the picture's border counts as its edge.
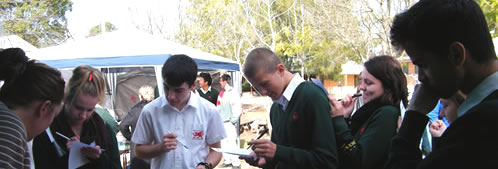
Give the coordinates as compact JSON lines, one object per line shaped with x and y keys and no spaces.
{"x":96,"y":30}
{"x":246,"y":86}
{"x":490,"y":10}
{"x":40,"y":22}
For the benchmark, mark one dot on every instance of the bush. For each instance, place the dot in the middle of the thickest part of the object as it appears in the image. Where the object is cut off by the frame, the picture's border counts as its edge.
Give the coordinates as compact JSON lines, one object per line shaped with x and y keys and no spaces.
{"x":246,"y":86}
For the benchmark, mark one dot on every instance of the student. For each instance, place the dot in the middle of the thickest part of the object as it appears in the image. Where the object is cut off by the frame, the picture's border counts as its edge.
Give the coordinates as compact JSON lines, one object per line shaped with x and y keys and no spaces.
{"x":205,"y":90}
{"x":146,"y":95}
{"x":230,"y":109}
{"x":303,"y":136}
{"x":450,"y":43}
{"x":365,"y":143}
{"x":79,"y":121}
{"x":179,"y":129}
{"x":30,"y":98}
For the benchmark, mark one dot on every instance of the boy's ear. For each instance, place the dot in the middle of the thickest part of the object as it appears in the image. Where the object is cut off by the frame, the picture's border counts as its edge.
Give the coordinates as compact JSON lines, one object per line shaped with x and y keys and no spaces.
{"x":280,"y":68}
{"x":457,"y":54}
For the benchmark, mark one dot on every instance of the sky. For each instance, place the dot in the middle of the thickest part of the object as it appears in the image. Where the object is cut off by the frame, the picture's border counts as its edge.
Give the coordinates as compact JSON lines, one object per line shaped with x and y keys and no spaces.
{"x":123,"y":14}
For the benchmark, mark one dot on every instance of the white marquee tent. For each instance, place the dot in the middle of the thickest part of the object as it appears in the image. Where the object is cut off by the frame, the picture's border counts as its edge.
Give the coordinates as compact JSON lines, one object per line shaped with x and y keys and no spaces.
{"x":121,"y":50}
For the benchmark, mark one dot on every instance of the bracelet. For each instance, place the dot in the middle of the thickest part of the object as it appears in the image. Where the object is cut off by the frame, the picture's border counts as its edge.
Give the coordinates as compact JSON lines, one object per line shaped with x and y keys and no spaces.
{"x":207,"y":165}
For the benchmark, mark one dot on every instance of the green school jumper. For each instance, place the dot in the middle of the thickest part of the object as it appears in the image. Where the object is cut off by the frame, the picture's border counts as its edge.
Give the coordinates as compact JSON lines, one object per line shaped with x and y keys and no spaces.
{"x":304,"y":133}
{"x":211,"y":96}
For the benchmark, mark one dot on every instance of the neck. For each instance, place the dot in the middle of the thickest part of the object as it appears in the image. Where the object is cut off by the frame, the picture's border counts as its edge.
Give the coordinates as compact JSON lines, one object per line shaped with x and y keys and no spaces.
{"x":477,"y":73}
{"x":287,"y":79}
{"x":205,"y":88}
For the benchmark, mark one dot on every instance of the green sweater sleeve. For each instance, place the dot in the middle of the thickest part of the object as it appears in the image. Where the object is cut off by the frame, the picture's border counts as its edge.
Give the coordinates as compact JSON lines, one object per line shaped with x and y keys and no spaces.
{"x":110,"y":158}
{"x":368,"y":148}
{"x":316,"y":147}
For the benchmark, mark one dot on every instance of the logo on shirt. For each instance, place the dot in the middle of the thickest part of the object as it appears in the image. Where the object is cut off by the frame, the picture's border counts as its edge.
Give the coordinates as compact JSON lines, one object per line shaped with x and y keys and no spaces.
{"x":294,"y":116}
{"x":197,"y":134}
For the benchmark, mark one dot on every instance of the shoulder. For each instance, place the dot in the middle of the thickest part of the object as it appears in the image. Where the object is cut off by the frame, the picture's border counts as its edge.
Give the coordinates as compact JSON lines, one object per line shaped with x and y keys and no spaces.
{"x":387,"y":111}
{"x":204,"y":105}
{"x":9,"y":119}
{"x":308,"y":90}
{"x":154,"y":104}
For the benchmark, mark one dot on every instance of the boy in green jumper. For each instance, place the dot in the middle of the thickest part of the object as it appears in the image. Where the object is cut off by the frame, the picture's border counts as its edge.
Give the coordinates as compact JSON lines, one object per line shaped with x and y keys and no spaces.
{"x":205,"y":89}
{"x":302,"y":136}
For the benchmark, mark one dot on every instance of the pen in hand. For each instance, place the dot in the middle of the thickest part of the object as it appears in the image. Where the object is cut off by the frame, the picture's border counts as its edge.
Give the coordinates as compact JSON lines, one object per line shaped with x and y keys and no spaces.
{"x":67,"y":138}
{"x":260,"y":135}
{"x":355,"y":95}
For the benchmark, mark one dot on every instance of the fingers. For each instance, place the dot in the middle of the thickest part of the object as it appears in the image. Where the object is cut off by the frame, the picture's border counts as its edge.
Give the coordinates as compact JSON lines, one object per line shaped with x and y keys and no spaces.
{"x":69,"y":143}
{"x":91,"y":152}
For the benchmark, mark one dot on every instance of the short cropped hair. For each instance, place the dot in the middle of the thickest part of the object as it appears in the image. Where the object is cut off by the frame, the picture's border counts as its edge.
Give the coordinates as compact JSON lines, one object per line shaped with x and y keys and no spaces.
{"x":260,"y":59}
{"x":178,"y":69}
{"x":206,"y":77}
{"x":433,"y":25}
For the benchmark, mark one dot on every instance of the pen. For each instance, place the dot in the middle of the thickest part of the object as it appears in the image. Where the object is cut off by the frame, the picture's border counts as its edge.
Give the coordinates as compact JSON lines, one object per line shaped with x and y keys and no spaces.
{"x":355,"y":95}
{"x":260,"y":135}
{"x":67,"y":138}
{"x":181,"y":142}
{"x":62,"y":135}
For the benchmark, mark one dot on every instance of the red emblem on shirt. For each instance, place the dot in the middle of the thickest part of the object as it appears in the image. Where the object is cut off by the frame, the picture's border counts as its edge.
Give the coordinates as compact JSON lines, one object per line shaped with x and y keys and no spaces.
{"x":197,"y":134}
{"x":294,"y":116}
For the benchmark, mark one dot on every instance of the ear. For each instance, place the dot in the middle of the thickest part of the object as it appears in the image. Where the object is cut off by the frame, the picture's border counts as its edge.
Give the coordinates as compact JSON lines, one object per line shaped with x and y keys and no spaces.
{"x":45,"y":109}
{"x":457,"y":54}
{"x":280,"y":68}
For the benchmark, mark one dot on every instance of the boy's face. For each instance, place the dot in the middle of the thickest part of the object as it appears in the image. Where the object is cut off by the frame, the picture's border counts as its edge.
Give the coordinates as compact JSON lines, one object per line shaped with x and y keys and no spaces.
{"x":435,"y":72}
{"x":269,"y":84}
{"x":177,"y":96}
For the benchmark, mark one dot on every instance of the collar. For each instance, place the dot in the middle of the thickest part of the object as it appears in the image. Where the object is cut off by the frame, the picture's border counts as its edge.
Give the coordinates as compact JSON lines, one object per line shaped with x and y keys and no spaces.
{"x":204,"y":91}
{"x":193,"y":101}
{"x":479,"y":93}
{"x":228,"y":87}
{"x":289,"y":90}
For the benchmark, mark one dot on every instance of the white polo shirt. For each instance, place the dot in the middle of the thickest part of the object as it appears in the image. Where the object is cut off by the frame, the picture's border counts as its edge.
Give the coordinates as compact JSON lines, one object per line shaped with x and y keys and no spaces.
{"x":196,"y":126}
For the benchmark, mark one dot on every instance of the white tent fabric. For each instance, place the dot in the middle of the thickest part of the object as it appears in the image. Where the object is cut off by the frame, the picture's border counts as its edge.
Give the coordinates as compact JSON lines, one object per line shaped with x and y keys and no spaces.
{"x":125,"y":48}
{"x":129,"y":49}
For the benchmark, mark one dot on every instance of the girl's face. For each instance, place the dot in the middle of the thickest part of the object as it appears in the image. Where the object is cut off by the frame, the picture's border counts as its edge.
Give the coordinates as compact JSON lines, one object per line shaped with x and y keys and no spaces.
{"x":82,"y":108}
{"x":370,"y":86}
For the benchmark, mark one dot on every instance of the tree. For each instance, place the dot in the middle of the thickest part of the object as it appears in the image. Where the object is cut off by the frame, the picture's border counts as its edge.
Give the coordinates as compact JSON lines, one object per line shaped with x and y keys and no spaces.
{"x":490,"y":10}
{"x":97,"y":29}
{"x":40,"y":22}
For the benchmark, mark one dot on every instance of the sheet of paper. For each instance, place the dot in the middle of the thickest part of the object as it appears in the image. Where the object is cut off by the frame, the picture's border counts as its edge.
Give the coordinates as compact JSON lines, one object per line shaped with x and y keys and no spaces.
{"x":76,"y":158}
{"x":244,"y":153}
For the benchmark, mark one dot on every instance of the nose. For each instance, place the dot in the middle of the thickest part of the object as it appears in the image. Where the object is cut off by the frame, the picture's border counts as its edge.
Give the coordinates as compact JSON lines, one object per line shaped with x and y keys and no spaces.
{"x":362,"y":87}
{"x":84,"y":114}
{"x":170,"y":94}
{"x":263,"y":91}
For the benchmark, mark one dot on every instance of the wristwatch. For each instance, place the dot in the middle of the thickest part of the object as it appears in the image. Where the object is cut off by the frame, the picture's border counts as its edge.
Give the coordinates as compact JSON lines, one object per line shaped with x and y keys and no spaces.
{"x":207,"y":165}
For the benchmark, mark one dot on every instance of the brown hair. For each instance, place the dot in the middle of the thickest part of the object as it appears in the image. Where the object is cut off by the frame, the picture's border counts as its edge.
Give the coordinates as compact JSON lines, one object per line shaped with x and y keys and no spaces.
{"x":389,"y":72}
{"x":85,"y":80}
{"x":26,"y":81}
{"x":260,"y":59}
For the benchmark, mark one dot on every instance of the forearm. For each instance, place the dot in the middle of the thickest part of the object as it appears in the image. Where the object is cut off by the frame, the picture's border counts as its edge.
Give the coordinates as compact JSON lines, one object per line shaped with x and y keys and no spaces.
{"x":214,"y":157}
{"x":148,"y":151}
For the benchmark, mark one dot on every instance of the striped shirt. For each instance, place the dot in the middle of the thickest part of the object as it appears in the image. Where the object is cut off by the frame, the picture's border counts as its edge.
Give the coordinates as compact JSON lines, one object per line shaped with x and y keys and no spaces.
{"x":13,"y":145}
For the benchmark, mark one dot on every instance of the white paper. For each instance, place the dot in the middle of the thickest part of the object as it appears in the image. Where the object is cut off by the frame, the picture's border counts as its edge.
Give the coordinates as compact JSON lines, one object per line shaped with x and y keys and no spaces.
{"x":244,"y":153}
{"x":76,"y":158}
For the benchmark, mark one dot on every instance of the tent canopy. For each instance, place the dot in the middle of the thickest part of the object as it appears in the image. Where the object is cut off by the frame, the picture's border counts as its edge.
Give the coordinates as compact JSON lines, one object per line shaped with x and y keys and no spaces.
{"x":125,"y":48}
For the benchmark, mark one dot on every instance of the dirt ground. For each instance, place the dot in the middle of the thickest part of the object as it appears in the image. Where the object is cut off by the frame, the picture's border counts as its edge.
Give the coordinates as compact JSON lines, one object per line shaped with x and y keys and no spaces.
{"x":257,"y":114}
